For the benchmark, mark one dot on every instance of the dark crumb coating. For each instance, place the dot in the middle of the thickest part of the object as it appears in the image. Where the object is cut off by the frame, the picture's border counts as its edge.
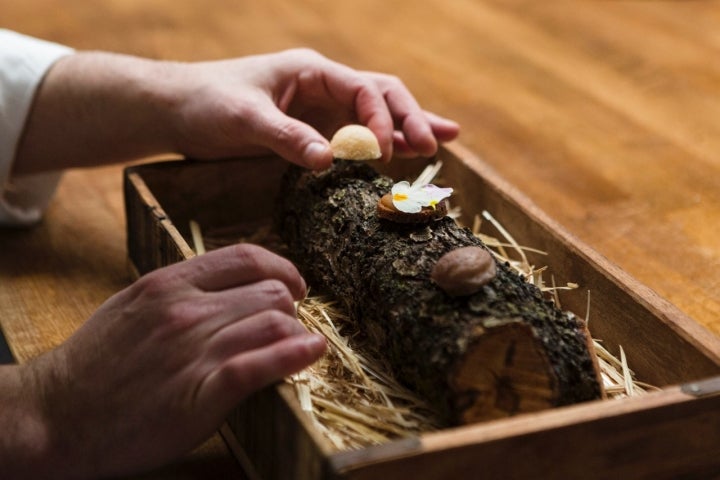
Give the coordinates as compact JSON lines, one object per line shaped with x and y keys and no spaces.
{"x":381,"y":270}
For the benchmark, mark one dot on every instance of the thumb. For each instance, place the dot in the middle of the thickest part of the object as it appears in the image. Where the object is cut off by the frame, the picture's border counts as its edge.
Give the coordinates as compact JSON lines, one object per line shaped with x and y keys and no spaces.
{"x":294,"y":140}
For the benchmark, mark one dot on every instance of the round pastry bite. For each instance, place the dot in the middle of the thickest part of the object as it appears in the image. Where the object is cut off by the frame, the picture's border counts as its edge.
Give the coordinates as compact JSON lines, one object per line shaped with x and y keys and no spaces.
{"x":387,"y":210}
{"x":355,"y":142}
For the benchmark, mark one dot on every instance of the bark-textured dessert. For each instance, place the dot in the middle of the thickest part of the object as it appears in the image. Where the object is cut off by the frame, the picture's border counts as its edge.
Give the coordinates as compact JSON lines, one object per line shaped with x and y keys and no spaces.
{"x":501,"y":350}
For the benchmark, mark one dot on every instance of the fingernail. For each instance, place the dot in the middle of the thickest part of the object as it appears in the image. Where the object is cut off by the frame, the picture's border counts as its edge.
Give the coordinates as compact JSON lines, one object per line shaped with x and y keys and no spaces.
{"x":315,"y":342}
{"x":303,"y":287}
{"x":317,"y":155}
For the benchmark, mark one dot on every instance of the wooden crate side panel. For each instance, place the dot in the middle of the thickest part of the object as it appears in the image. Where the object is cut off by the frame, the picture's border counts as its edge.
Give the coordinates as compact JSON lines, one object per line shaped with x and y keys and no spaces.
{"x":680,"y":438}
{"x":157,"y":242}
{"x":663,"y":345}
{"x":215,"y":194}
{"x":153,"y":242}
{"x":274,"y":437}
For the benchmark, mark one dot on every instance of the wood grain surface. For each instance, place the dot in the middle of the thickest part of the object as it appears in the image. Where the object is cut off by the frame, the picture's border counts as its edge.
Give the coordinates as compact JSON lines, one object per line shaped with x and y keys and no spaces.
{"x":605,"y":113}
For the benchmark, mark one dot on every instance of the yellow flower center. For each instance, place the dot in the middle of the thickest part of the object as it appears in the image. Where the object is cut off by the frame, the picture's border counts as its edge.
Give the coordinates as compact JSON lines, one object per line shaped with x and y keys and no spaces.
{"x":399,"y":197}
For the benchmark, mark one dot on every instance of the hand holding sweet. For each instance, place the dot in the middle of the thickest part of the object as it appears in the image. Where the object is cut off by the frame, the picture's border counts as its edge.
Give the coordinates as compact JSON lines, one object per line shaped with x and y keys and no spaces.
{"x":100,"y":108}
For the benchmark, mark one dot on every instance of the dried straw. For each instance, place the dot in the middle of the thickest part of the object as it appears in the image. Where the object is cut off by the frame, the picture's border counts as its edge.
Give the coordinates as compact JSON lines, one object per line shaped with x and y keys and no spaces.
{"x":349,"y":394}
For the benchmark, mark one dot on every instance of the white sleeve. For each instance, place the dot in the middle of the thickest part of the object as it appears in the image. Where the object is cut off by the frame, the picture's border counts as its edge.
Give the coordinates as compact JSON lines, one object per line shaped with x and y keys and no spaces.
{"x":23,"y":64}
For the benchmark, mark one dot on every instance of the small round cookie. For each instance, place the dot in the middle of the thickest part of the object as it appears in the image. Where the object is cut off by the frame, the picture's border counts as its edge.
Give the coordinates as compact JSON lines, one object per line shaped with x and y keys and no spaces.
{"x":355,"y":142}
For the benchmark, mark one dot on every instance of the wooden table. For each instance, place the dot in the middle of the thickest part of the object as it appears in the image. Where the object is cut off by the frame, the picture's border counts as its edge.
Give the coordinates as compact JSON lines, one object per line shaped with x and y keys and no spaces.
{"x":605,"y":113}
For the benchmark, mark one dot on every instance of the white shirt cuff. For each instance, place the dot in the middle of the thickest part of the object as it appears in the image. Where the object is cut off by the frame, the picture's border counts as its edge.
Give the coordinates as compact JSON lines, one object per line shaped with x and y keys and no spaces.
{"x":24,"y":62}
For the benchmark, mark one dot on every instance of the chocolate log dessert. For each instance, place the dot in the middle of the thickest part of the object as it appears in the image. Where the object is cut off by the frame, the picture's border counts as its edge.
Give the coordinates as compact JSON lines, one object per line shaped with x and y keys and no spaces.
{"x":465,"y":332}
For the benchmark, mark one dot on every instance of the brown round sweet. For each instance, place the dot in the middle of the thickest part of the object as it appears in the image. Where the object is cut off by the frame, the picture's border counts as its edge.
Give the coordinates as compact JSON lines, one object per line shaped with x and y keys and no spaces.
{"x":387,"y":211}
{"x":464,"y":271}
{"x":355,"y":142}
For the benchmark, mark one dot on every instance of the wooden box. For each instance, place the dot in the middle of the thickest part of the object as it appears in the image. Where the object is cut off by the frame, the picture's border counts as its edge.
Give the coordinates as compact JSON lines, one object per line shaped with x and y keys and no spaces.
{"x":673,"y":433}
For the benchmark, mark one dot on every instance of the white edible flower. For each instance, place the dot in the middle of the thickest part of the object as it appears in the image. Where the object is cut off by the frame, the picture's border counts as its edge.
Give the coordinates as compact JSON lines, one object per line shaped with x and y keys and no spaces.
{"x":436,"y":194}
{"x":412,"y":198}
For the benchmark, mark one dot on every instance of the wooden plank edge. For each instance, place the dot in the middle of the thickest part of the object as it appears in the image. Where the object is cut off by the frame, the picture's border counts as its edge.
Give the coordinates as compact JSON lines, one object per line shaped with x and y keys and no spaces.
{"x":287,"y":393}
{"x":667,"y":399}
{"x":593,"y":416}
{"x":143,"y":191}
{"x":238,"y":452}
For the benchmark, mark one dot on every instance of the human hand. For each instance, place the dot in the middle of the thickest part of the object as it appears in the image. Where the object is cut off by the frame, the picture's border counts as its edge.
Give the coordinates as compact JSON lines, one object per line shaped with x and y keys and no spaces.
{"x":159,"y":366}
{"x":290,"y":103}
{"x":95,"y":108}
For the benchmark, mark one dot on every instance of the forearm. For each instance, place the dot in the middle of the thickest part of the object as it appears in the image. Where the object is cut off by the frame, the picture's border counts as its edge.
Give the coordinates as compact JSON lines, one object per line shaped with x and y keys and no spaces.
{"x":95,"y":108}
{"x":24,"y":441}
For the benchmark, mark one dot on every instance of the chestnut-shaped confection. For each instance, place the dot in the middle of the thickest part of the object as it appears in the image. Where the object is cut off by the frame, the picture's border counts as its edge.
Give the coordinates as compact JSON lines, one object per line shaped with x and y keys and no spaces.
{"x":464,"y":271}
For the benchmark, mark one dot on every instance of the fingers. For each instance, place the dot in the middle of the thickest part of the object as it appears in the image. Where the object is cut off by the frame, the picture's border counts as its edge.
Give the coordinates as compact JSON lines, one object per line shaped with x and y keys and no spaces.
{"x":407,"y":115}
{"x":253,"y":338}
{"x":239,"y":265}
{"x":240,"y":328}
{"x":309,"y":82}
{"x":249,"y":371}
{"x":256,"y":331}
{"x":293,"y":140}
{"x":418,"y":131}
{"x":322,"y":81}
{"x":367,"y":101}
{"x":361,"y":94}
{"x":382,"y":103}
{"x":318,"y":82}
{"x":228,"y":307}
{"x":444,"y":129}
